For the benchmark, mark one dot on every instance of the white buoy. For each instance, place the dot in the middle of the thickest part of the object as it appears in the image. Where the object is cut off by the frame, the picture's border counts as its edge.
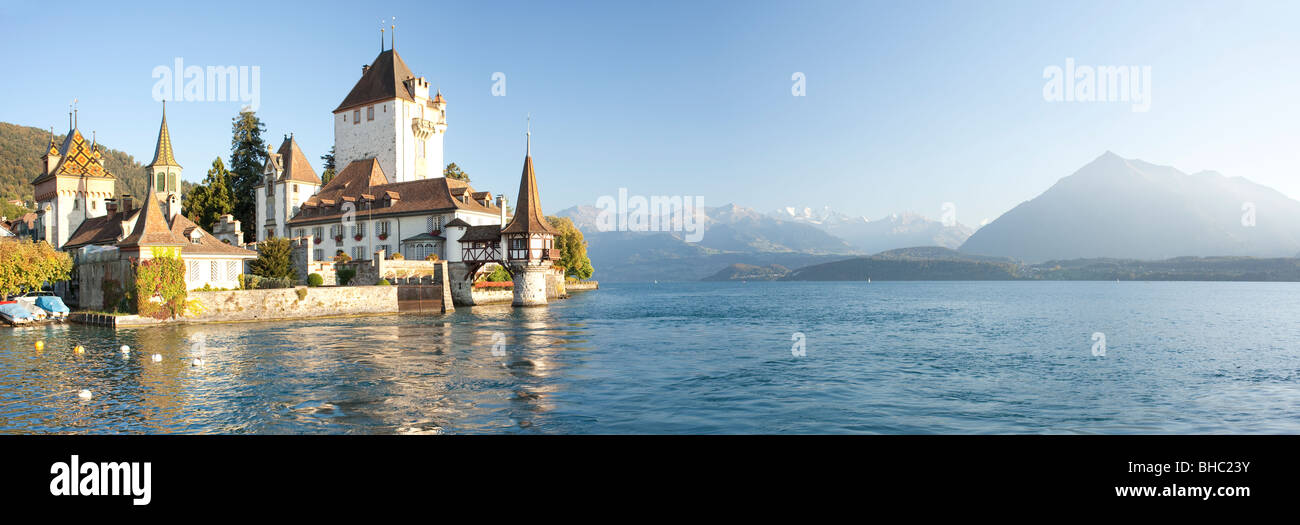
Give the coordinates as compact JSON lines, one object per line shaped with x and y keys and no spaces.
{"x":157,"y":358}
{"x":125,"y":349}
{"x":85,"y":394}
{"x":197,"y":362}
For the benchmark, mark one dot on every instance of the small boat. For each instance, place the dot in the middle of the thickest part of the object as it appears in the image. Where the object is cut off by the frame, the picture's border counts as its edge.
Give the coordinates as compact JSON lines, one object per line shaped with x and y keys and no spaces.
{"x":51,"y":304}
{"x":29,"y":302}
{"x":13,"y":313}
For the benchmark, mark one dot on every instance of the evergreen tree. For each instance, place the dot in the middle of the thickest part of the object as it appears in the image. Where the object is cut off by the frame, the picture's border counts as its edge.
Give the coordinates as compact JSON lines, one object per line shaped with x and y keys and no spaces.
{"x":454,"y":172}
{"x":273,"y":260}
{"x":247,"y":159}
{"x":207,"y":202}
{"x":328,"y":173}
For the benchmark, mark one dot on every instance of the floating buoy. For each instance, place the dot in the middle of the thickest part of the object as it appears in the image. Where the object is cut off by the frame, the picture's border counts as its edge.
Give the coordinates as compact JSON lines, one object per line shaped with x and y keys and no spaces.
{"x":125,"y":349}
{"x":157,"y":358}
{"x":85,"y":394}
{"x":197,"y":362}
{"x":40,"y":345}
{"x":78,"y":349}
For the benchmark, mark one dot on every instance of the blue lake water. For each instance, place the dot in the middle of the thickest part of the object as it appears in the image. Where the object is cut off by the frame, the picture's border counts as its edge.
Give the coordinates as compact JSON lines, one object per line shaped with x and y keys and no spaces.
{"x":898,"y":357}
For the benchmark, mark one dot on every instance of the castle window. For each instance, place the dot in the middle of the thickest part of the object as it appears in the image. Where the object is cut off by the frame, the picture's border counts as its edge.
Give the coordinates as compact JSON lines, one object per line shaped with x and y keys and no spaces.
{"x":93,"y":205}
{"x":295,"y":188}
{"x":316,"y":232}
{"x":356,"y":116}
{"x":171,"y":181}
{"x":357,"y":254}
{"x":216,"y":270}
{"x":159,"y":186}
{"x":232,"y":270}
{"x":76,"y":204}
{"x":370,"y":113}
{"x":194,"y":271}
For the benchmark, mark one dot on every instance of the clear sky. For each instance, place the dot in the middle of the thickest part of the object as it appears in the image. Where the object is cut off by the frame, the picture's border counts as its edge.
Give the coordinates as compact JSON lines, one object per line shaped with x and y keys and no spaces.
{"x":908,"y":104}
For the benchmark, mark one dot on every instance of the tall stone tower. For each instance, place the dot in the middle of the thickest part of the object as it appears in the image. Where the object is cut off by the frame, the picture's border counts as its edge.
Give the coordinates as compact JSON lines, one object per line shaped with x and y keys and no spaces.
{"x":529,"y":240}
{"x":164,"y":173}
{"x":390,"y":116}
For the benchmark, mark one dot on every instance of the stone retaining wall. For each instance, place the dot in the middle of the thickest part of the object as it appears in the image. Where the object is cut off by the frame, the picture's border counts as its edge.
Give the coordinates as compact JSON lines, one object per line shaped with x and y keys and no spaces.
{"x":285,"y":303}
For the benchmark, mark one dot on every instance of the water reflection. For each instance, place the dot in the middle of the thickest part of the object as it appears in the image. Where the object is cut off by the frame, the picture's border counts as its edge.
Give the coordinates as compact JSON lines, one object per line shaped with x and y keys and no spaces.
{"x":393,"y":374}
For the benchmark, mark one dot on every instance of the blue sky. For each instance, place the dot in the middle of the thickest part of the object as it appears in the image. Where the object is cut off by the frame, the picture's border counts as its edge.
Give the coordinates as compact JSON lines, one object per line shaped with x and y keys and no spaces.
{"x":908,"y":104}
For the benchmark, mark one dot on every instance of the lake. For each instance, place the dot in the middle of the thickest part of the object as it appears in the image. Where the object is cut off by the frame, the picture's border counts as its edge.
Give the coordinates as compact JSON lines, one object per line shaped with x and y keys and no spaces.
{"x":688,"y":358}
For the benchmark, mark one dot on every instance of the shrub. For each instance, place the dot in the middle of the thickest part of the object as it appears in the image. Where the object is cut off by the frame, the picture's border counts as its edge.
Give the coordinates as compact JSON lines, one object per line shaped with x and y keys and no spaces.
{"x":315,"y":280}
{"x":249,"y":281}
{"x":499,"y":275}
{"x":383,"y":282}
{"x":302,"y":293}
{"x":431,"y":257}
{"x":340,"y":257}
{"x":282,"y":282}
{"x":398,"y":257}
{"x":345,"y":275}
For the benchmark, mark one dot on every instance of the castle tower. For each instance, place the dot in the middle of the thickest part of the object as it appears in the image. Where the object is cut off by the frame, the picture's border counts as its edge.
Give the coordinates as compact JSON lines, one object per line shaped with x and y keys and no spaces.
{"x":288,"y":181}
{"x":164,"y":173}
{"x":389,"y":116}
{"x":529,"y":240}
{"x":72,"y":187}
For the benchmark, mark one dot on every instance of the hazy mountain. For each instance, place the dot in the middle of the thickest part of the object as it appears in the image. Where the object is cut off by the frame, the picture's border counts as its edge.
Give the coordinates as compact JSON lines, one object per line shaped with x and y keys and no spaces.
{"x":1119,"y":208}
{"x":893,"y":231}
{"x":732,"y":234}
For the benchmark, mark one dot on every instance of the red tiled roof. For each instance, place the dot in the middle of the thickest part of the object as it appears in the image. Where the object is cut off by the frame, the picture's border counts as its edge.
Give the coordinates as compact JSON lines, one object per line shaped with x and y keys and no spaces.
{"x":385,"y":79}
{"x":151,"y":228}
{"x":100,"y":231}
{"x":364,"y":177}
{"x":183,"y":227}
{"x":294,"y":163}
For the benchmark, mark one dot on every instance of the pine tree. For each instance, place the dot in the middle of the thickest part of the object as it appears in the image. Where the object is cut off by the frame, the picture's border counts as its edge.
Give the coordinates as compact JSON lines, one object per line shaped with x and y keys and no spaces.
{"x":454,"y":172}
{"x":247,"y":158}
{"x":207,"y":202}
{"x":273,"y":260}
{"x":328,"y":173}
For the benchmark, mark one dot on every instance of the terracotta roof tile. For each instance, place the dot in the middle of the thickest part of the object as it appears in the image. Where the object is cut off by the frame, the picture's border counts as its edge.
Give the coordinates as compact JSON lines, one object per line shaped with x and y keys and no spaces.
{"x":295,"y":164}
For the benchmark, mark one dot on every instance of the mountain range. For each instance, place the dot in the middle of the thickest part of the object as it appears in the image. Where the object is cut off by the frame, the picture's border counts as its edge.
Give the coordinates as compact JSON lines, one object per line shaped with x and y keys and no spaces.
{"x":1112,"y":209}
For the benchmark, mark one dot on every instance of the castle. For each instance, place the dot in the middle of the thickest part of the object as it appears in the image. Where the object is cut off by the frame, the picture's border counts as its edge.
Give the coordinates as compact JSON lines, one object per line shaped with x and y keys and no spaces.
{"x":391,"y":196}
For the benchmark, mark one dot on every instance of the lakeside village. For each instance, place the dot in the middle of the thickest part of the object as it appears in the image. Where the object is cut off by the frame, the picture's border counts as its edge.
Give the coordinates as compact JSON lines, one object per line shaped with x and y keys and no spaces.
{"x":388,"y":233}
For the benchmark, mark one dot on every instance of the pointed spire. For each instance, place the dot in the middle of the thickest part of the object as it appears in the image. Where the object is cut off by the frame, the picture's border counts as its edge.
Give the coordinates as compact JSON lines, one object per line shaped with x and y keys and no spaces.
{"x":162,"y":153}
{"x":528,"y":150}
{"x":528,"y":207}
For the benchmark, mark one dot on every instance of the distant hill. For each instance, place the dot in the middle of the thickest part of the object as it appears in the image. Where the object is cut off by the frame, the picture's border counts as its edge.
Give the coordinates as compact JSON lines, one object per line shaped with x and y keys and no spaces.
{"x":1131,"y":209}
{"x":1176,"y":269}
{"x":749,"y":272}
{"x":930,"y":263}
{"x":21,"y":148}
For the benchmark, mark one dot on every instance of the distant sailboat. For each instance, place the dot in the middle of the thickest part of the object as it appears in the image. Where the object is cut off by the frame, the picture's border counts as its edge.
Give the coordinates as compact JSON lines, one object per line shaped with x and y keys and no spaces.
{"x":868,"y":280}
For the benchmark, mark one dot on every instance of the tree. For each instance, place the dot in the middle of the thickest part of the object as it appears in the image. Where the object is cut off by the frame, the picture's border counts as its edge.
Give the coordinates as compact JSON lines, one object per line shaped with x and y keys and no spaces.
{"x":454,"y":172}
{"x":27,"y":266}
{"x":572,"y":247}
{"x":247,"y":158}
{"x":207,"y":202}
{"x":328,"y":173}
{"x":273,"y":260}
